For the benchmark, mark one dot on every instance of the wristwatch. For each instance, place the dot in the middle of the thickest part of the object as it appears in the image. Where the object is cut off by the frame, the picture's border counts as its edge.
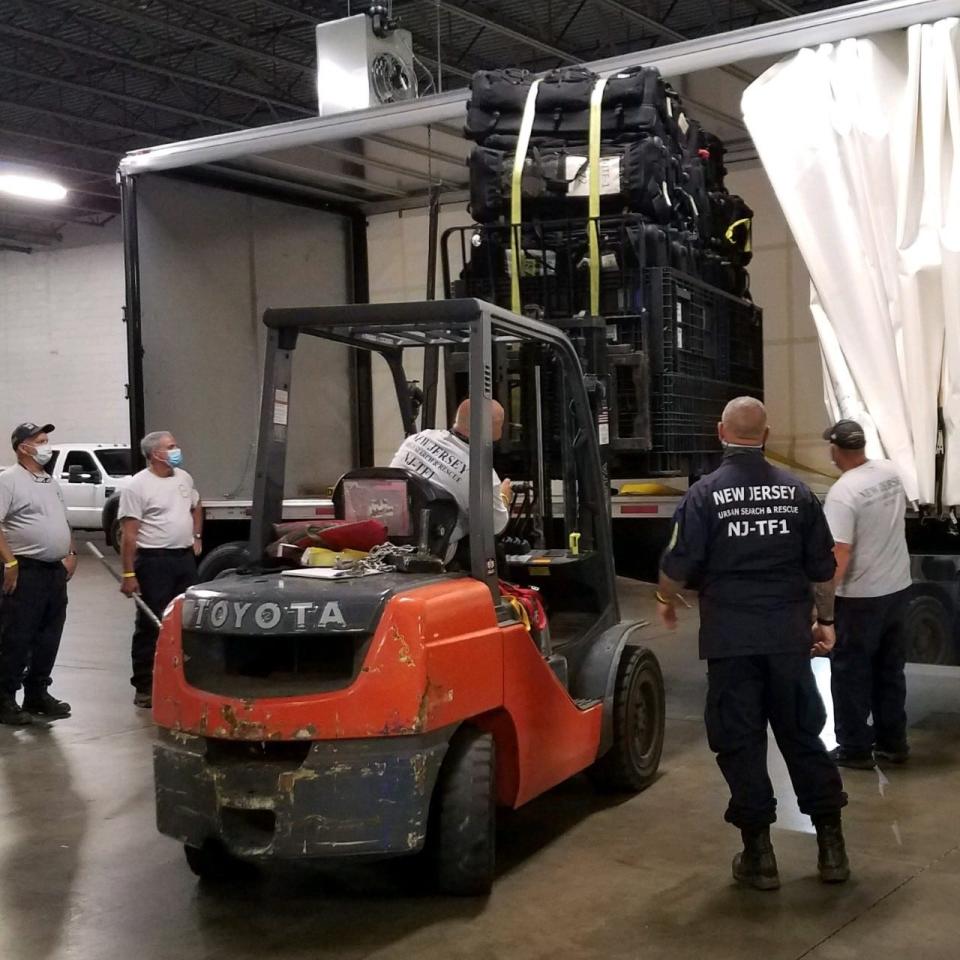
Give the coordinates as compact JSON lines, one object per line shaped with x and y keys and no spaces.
{"x":198,"y":536}
{"x":824,"y":623}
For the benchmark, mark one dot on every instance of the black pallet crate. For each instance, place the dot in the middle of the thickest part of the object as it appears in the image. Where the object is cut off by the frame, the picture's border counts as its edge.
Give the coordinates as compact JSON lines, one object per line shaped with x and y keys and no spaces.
{"x":554,"y":265}
{"x":678,"y":349}
{"x":696,"y":330}
{"x":706,"y":347}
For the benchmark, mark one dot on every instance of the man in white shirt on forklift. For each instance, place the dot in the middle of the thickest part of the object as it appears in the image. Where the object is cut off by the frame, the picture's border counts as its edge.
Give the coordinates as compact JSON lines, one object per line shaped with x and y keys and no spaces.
{"x":442,"y":457}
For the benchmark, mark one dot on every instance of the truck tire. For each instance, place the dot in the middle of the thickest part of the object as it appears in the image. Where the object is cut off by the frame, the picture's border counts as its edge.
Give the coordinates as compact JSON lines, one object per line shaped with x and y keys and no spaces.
{"x":222,"y":560}
{"x":630,"y":765}
{"x":110,"y":522}
{"x":116,"y":534}
{"x":461,"y":839}
{"x":928,"y":631}
{"x":213,"y":864}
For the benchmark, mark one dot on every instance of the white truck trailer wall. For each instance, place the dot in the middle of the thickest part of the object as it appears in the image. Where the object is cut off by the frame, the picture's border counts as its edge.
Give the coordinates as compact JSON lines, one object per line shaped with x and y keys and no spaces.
{"x":211,"y":261}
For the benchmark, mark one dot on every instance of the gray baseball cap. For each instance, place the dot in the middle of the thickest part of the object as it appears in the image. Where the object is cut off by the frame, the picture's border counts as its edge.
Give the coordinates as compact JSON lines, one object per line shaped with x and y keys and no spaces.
{"x":27,"y":430}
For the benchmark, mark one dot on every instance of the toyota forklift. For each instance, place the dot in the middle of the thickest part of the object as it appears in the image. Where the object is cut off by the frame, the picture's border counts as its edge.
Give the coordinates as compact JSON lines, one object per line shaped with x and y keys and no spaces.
{"x":389,"y":705}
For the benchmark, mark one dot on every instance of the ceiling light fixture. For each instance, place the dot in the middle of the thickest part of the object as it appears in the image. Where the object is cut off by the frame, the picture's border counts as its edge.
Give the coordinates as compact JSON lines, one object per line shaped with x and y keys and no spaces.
{"x":32,"y":188}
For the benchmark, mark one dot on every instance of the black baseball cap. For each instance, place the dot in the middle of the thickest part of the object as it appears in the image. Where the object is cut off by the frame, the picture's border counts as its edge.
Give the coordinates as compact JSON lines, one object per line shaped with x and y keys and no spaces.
{"x":27,"y":430}
{"x":846,"y":434}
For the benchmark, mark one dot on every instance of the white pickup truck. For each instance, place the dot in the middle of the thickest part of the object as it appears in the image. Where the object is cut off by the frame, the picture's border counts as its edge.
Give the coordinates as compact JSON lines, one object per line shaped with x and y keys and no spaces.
{"x":89,"y":474}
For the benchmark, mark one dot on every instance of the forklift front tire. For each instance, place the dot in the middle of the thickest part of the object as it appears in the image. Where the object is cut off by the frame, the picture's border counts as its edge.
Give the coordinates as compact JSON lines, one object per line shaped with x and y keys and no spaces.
{"x":462,"y":833}
{"x":214,"y":865}
{"x":630,"y":765}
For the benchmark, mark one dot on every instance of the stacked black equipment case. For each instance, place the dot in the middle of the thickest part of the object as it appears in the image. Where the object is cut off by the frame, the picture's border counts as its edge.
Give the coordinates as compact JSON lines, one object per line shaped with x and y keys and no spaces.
{"x":646,"y":255}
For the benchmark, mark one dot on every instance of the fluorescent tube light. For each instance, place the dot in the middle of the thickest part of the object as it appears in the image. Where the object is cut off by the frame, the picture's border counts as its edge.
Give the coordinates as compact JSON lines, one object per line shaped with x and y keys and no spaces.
{"x":33,"y":188}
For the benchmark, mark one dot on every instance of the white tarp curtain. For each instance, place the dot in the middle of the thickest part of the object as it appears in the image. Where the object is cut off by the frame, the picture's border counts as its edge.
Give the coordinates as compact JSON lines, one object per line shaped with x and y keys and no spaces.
{"x":861,"y":141}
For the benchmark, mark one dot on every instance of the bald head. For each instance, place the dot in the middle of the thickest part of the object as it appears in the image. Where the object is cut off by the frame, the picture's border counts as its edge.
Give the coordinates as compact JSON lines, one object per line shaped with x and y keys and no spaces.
{"x":462,"y":422}
{"x":744,"y":422}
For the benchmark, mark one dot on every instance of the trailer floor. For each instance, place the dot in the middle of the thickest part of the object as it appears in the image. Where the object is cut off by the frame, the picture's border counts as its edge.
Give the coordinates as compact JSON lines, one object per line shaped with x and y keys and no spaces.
{"x":85,"y":876}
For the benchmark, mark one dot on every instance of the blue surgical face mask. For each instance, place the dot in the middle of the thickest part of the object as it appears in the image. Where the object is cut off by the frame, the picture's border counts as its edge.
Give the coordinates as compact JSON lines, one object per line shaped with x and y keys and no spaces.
{"x":175,"y":457}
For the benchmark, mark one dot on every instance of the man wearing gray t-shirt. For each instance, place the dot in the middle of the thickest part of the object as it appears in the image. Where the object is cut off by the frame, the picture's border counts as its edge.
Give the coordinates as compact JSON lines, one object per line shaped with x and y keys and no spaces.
{"x":36,"y":547}
{"x":865,"y":509}
{"x":162,"y":522}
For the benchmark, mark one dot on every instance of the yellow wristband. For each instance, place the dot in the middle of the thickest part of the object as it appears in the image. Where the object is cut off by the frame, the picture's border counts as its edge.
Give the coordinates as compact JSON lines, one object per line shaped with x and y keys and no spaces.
{"x":11,"y":565}
{"x":662,"y":599}
{"x":129,"y":576}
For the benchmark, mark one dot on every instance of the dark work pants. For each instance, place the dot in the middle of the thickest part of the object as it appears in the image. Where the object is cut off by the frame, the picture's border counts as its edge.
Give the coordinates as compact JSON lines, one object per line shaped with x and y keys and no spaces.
{"x":31,"y":623}
{"x":867,"y":673}
{"x":162,"y":575}
{"x":745,"y":694}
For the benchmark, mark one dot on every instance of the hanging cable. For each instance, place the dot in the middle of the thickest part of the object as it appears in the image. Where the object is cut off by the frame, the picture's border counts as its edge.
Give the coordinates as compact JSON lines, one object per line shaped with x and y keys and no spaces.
{"x":439,"y":58}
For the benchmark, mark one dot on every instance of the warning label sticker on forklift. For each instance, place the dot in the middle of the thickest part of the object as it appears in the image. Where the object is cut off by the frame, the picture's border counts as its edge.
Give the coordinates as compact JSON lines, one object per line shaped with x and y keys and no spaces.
{"x":281,"y":399}
{"x":603,"y":427}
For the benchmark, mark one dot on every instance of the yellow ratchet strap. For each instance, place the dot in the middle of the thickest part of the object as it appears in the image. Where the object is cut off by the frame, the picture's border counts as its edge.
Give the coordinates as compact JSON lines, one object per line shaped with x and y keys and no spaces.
{"x":744,"y":222}
{"x":516,"y":193}
{"x":593,"y":158}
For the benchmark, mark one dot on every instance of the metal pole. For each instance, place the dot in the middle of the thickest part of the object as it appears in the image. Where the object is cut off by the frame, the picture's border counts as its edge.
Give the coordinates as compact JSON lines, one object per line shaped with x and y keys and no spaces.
{"x":272,"y":440}
{"x":483,"y":562}
{"x":131,"y":316}
{"x":361,"y":362}
{"x":431,"y":355}
{"x":137,"y":599}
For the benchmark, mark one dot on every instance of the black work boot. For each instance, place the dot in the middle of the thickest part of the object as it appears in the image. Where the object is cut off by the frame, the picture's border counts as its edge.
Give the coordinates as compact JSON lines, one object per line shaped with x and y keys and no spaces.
{"x":895,"y":754}
{"x":11,"y":713}
{"x":832,"y":860}
{"x":853,"y":761}
{"x":41,"y":704}
{"x":756,"y":866}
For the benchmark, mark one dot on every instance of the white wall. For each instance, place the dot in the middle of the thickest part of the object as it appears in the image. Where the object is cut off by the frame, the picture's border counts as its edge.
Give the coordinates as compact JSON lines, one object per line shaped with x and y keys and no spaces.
{"x":62,"y":342}
{"x":780,"y":284}
{"x":63,"y":354}
{"x":398,"y":246}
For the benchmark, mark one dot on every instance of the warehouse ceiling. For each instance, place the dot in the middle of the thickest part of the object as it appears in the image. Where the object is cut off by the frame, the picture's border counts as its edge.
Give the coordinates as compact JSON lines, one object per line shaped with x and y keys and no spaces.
{"x":84,"y":81}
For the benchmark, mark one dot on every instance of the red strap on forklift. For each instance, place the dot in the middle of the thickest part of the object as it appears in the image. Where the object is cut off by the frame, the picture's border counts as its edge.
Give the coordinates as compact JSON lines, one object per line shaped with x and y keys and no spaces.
{"x":531,"y":601}
{"x":333,"y":534}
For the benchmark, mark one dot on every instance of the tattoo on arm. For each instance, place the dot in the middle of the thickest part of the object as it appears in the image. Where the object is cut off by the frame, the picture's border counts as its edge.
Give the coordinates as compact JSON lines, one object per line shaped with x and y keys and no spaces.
{"x":823,"y":594}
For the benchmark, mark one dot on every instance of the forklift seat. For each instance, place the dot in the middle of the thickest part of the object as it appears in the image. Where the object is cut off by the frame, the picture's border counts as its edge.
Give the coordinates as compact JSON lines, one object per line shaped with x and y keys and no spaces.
{"x":401,"y":500}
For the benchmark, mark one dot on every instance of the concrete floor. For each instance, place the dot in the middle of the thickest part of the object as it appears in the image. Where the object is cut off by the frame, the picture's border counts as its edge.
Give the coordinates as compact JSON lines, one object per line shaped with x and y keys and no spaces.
{"x":85,"y":876}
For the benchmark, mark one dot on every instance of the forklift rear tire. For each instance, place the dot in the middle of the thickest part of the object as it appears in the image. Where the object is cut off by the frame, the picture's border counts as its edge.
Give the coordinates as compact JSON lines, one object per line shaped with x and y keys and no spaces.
{"x":222,"y":560}
{"x":213,"y":864}
{"x":462,"y":834}
{"x":630,"y":765}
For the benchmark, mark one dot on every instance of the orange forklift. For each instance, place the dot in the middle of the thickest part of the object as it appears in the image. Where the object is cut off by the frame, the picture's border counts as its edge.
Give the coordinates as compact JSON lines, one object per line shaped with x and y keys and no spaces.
{"x":389,"y":707}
